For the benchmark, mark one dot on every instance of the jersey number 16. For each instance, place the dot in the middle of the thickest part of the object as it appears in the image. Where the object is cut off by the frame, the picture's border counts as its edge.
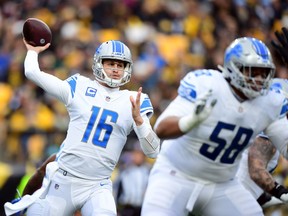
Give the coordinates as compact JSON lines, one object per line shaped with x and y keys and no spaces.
{"x":103,"y":128}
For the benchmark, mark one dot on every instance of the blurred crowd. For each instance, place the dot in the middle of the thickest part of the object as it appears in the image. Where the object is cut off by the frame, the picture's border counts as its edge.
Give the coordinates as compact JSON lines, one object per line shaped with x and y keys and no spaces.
{"x":167,"y":38}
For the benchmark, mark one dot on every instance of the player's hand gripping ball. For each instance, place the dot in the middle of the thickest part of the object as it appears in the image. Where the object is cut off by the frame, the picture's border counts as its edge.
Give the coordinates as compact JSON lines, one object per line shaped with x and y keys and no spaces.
{"x":36,"y":32}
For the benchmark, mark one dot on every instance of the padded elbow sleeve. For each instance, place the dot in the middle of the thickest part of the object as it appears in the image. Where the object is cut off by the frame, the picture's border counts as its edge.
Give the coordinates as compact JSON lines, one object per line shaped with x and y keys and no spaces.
{"x":149,"y":142}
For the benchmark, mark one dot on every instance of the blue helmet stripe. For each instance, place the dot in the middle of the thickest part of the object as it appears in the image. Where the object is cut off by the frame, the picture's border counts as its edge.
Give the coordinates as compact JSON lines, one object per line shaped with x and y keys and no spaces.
{"x":261,"y":49}
{"x":118,"y":47}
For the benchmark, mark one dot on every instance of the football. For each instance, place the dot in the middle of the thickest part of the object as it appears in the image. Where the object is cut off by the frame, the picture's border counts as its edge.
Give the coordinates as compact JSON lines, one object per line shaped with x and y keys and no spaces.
{"x":36,"y":32}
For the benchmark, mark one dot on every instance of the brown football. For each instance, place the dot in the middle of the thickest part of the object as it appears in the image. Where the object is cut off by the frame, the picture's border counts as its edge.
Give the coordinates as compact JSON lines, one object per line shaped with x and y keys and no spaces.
{"x":36,"y":32}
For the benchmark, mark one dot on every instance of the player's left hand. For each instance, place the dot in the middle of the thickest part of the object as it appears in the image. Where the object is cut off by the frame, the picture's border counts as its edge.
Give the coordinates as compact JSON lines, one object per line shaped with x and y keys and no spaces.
{"x":202,"y":110}
{"x":281,"y":45}
{"x":136,"y":108}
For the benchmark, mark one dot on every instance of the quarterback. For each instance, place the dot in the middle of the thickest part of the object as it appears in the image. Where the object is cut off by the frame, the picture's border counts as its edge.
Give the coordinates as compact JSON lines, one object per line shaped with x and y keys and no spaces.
{"x":101,"y":118}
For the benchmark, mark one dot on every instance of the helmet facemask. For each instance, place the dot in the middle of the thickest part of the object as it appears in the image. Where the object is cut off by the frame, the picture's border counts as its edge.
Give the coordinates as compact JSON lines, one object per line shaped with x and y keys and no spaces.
{"x":113,"y":50}
{"x":252,"y":86}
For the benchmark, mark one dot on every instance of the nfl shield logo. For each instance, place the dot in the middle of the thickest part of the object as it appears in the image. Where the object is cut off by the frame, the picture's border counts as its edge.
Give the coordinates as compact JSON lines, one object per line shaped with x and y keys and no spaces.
{"x":107,"y":98}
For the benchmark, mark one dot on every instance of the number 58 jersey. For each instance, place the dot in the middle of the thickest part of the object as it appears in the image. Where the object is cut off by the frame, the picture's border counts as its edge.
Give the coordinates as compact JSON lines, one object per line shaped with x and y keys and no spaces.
{"x":100,"y":121}
{"x":212,"y":150}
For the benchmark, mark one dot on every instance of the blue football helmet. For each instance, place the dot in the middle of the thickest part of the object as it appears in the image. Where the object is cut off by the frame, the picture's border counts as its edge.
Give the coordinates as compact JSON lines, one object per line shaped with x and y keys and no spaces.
{"x":112,"y":50}
{"x":240,"y":58}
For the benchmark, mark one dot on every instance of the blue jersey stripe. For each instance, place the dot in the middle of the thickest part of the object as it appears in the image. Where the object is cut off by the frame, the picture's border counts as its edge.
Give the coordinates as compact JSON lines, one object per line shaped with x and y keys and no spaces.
{"x":145,"y":110}
{"x":146,"y":104}
{"x":187,"y":91}
{"x":72,"y":82}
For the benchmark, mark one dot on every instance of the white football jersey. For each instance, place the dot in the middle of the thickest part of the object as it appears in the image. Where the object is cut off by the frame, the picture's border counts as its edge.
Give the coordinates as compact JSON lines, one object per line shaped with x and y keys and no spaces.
{"x":212,"y":150}
{"x":100,"y":121}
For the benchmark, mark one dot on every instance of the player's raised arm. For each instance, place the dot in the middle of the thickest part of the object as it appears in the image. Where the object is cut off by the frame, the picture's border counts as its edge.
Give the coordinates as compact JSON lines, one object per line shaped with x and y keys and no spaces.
{"x":51,"y":84}
{"x":136,"y":108}
{"x":149,"y":141}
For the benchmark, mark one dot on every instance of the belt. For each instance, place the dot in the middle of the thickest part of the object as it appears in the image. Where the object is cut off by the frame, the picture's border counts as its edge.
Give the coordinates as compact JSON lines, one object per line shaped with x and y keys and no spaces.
{"x":64,"y":172}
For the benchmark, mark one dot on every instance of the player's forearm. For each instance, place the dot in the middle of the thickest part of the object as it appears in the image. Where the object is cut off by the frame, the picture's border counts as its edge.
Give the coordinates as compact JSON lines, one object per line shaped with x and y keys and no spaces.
{"x":262,"y":178}
{"x":149,"y":141}
{"x":35,"y":182}
{"x":168,"y":128}
{"x":259,"y":155}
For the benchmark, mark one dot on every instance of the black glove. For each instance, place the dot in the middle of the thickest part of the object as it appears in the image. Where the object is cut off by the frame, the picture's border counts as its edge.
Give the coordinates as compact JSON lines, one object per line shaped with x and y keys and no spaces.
{"x":264,"y":198}
{"x":282,"y":45}
{"x":280,"y":192}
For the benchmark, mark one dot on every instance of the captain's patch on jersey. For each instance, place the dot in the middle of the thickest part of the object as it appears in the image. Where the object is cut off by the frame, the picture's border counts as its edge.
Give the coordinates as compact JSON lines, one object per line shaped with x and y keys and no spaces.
{"x":91,"y":92}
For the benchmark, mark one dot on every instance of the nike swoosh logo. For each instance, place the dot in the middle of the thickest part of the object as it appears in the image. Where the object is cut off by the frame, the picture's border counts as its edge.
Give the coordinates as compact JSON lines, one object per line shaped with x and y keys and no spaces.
{"x":103,"y":183}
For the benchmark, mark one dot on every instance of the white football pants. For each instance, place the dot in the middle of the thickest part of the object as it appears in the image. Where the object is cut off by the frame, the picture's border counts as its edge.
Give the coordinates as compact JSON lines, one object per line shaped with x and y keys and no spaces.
{"x":170,"y":194}
{"x":66,"y":194}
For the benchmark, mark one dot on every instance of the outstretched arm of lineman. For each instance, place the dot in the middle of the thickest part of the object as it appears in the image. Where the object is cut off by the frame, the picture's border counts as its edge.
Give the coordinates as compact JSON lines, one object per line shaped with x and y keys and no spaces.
{"x":168,"y":127}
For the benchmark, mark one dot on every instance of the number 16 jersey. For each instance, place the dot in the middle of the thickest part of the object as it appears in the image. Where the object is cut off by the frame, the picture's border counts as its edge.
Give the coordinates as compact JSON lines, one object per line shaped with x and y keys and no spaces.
{"x":100,"y":121}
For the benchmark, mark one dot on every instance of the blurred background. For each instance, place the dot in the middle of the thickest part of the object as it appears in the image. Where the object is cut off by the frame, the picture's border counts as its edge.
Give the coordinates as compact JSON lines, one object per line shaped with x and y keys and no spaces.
{"x":168,"y":38}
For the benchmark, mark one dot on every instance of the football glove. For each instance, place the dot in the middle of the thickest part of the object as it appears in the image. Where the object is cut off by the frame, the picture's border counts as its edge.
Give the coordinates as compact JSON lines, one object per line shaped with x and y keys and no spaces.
{"x":280,"y":192}
{"x":281,"y":45}
{"x":201,"y":112}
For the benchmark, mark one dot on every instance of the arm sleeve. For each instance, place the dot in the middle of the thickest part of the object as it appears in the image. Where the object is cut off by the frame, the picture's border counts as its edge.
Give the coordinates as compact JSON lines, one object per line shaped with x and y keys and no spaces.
{"x":49,"y":83}
{"x":278,"y":134}
{"x":149,"y":142}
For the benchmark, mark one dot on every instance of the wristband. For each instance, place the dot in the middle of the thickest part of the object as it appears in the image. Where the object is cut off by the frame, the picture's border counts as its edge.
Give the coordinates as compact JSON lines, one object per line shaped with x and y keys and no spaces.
{"x":186,"y":123}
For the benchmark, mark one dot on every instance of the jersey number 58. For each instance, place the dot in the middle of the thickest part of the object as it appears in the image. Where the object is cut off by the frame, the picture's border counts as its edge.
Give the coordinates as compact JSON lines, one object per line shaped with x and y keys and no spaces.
{"x":227,"y":153}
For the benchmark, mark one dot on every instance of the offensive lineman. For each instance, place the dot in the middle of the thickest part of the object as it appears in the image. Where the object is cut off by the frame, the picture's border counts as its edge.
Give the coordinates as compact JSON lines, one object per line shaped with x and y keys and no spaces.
{"x":195,"y":170}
